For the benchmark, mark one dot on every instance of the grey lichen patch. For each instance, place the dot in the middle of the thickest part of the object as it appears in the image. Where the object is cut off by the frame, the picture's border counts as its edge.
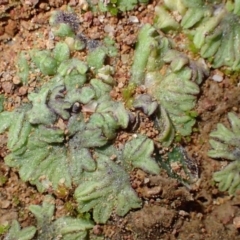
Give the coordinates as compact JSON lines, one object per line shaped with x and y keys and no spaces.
{"x":64,"y":24}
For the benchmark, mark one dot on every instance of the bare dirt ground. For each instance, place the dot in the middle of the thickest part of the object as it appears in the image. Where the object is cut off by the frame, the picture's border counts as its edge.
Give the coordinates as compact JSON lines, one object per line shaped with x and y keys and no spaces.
{"x":170,"y":211}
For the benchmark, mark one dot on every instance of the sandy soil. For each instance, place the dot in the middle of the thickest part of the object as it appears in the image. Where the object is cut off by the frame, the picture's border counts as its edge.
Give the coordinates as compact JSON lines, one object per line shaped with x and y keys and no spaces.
{"x":171,"y":210}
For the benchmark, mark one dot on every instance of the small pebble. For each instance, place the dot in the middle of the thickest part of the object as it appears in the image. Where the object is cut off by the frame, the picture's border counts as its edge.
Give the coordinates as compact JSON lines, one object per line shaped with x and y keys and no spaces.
{"x":7,"y":87}
{"x":16,"y":80}
{"x":5,"y":204}
{"x":133,"y":19}
{"x":236,"y":222}
{"x":23,"y":90}
{"x":217,"y":78}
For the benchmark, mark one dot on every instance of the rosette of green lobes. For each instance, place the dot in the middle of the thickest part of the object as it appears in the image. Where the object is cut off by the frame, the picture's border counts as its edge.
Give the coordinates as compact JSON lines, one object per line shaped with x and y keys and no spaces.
{"x":219,"y":39}
{"x":213,"y":28}
{"x":48,"y":62}
{"x":228,"y":179}
{"x":15,"y":232}
{"x":17,"y":126}
{"x":177,"y":89}
{"x":175,"y":15}
{"x":137,"y":153}
{"x":187,"y":13}
{"x":147,"y":45}
{"x":225,"y":144}
{"x":172,"y":78}
{"x":163,"y":19}
{"x":96,"y":56}
{"x":44,"y":61}
{"x":177,"y":94}
{"x":65,"y":228}
{"x":53,"y":156}
{"x":106,"y":190}
{"x":45,"y":161}
{"x":113,"y":6}
{"x":48,"y":156}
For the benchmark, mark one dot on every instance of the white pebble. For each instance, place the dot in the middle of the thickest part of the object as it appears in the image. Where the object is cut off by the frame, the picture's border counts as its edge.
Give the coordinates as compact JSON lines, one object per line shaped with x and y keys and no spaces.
{"x":217,"y":78}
